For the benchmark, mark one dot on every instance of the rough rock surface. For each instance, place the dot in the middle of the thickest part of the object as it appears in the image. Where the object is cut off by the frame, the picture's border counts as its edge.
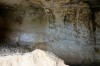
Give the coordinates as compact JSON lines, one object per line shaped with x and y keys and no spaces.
{"x":9,"y":50}
{"x":63,"y":27}
{"x":35,"y":58}
{"x":97,"y":46}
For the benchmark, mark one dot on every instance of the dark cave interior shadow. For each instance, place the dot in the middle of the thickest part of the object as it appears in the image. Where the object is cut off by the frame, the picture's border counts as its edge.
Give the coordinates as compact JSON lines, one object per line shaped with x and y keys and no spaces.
{"x":92,"y":64}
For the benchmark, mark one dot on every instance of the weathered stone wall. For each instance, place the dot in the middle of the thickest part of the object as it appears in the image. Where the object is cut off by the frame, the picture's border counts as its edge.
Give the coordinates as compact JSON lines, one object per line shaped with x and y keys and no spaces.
{"x":63,"y":27}
{"x":97,"y":46}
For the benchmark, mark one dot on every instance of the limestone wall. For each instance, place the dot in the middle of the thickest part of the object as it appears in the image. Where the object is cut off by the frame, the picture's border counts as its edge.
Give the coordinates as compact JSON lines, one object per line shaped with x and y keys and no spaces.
{"x":97,"y":46}
{"x":63,"y":27}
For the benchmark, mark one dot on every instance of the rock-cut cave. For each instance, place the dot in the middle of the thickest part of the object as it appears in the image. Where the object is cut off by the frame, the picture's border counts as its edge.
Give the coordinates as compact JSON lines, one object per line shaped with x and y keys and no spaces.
{"x":68,"y":28}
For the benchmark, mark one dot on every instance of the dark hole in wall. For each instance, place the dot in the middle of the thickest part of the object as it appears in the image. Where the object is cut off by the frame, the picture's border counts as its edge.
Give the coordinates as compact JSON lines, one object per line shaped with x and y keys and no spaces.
{"x":2,"y":21}
{"x":4,"y":10}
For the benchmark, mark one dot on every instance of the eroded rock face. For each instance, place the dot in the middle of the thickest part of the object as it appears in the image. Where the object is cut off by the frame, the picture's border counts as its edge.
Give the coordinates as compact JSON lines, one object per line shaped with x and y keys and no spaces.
{"x":97,"y":46}
{"x":63,"y":27}
{"x":10,"y":50}
{"x":35,"y":58}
